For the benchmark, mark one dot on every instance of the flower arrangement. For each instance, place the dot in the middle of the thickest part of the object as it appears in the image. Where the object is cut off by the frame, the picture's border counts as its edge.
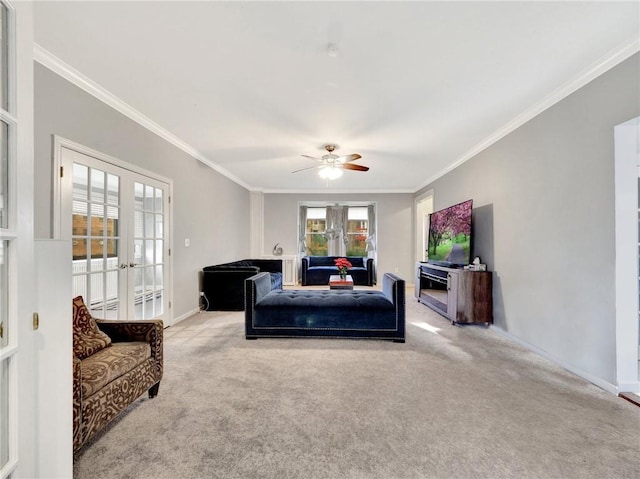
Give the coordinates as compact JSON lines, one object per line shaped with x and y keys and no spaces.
{"x":343,"y":265}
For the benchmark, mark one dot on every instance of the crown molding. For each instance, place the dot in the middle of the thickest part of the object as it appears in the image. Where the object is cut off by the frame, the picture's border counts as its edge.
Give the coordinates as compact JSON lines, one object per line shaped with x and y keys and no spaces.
{"x":613,"y":58}
{"x":53,"y":63}
{"x":336,"y":192}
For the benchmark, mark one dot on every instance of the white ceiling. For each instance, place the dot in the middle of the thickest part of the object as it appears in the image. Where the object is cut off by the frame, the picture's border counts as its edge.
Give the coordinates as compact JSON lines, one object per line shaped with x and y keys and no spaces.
{"x":415,"y":87}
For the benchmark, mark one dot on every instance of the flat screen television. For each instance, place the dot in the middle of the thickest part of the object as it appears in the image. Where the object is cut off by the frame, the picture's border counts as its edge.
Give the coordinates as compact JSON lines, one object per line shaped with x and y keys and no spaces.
{"x":449,"y":240}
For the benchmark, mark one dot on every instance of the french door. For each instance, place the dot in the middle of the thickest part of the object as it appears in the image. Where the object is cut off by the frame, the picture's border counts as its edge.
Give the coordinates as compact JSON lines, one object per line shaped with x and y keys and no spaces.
{"x":118,"y":221}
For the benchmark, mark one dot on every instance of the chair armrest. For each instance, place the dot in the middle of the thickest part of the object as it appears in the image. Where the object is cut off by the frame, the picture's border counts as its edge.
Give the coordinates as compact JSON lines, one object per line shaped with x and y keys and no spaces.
{"x":304,"y":264}
{"x":268,"y":265}
{"x":370,"y":271}
{"x":146,"y":330}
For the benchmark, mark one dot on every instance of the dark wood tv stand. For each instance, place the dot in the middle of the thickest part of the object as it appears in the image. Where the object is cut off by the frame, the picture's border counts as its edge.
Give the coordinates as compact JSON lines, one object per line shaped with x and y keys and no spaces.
{"x":459,"y":295}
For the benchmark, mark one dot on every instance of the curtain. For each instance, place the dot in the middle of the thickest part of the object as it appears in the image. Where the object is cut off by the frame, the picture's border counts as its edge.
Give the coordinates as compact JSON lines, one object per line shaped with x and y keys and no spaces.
{"x":334,"y":229}
{"x":302,"y":231}
{"x":372,"y":241}
{"x":345,"y":223}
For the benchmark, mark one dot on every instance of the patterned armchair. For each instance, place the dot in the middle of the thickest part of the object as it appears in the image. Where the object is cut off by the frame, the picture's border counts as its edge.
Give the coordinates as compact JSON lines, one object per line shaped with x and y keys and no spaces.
{"x":114,"y":363}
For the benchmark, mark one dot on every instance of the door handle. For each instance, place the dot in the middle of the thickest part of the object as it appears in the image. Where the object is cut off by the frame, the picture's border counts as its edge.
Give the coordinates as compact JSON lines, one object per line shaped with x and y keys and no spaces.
{"x":123,"y":265}
{"x":132,"y":264}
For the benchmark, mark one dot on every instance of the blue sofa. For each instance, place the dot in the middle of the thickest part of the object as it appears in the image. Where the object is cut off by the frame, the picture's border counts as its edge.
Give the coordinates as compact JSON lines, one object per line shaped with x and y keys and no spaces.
{"x":325,"y":313}
{"x":223,"y":284}
{"x":315,"y":270}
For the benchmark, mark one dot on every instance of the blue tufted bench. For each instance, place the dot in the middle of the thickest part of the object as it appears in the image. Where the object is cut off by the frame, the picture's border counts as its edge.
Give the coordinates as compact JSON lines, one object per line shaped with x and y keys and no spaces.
{"x":326,"y":313}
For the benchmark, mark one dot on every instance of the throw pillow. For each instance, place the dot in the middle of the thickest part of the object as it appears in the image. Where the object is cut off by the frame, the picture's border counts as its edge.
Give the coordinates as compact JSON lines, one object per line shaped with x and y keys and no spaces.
{"x":87,"y":337}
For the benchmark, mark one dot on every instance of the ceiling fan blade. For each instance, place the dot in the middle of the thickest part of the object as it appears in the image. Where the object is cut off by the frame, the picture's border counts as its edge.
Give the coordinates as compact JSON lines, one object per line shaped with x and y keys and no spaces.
{"x":348,"y":158}
{"x":312,"y":157}
{"x":308,"y":168}
{"x":348,"y":166}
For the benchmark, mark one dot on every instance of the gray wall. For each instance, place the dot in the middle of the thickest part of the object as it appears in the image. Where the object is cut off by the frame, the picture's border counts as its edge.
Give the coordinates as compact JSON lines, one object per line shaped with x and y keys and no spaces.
{"x":394,"y":220}
{"x":544,"y":218}
{"x":209,"y":209}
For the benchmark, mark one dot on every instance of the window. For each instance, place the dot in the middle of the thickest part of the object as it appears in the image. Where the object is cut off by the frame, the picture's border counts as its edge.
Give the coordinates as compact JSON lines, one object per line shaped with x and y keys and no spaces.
{"x":315,"y":232}
{"x":357,"y":231}
{"x":337,"y":230}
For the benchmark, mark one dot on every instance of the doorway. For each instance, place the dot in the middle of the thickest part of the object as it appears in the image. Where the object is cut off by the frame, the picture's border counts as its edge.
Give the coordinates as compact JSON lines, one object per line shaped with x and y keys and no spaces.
{"x":627,"y":224}
{"x":118,"y":220}
{"x":423,"y":208}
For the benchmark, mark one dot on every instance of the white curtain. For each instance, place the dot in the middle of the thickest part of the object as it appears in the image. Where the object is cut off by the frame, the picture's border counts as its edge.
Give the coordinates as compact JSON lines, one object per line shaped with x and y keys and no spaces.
{"x":372,"y":241}
{"x":334,"y":229}
{"x":302,"y":231}
{"x":345,"y":223}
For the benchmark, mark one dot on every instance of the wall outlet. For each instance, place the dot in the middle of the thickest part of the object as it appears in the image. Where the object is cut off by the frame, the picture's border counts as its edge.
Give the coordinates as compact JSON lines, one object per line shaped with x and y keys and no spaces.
{"x":397,"y":269}
{"x":187,"y":242}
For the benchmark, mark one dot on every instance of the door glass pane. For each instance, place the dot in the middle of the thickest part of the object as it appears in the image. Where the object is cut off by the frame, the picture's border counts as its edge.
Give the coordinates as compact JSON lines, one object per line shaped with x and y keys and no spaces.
{"x":4,"y":293}
{"x":4,"y":54}
{"x":149,"y":197}
{"x":158,"y":304}
{"x":80,"y":182}
{"x":138,"y":286}
{"x":4,"y":62}
{"x":159,"y":251}
{"x":113,"y":188}
{"x":159,"y":277}
{"x":138,"y":196}
{"x":159,"y":230}
{"x":95,"y":239}
{"x":149,"y":222}
{"x":95,"y":302}
{"x":111,"y":290}
{"x":4,"y":180}
{"x":148,"y":252}
{"x":159,"y":202}
{"x":97,"y":190}
{"x":148,"y":225}
{"x":4,"y":411}
{"x":113,"y":216}
{"x":80,"y":255}
{"x":137,"y":251}
{"x":80,"y":224}
{"x":97,"y":220}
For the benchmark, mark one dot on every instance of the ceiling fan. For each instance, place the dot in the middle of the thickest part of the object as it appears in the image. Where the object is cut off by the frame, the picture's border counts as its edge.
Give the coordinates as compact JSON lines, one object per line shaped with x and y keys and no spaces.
{"x":331,"y":165}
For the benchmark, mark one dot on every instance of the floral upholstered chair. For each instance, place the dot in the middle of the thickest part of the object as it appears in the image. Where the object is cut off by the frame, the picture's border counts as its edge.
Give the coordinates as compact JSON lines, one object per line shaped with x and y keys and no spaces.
{"x":114,"y":363}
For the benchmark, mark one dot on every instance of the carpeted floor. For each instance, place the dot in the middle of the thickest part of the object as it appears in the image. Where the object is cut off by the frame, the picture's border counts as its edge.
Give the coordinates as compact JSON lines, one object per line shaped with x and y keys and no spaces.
{"x":452,"y":402}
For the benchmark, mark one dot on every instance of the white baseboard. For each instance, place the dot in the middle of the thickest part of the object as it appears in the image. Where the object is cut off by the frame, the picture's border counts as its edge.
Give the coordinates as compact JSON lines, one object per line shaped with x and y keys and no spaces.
{"x":186,"y":315}
{"x":633,"y":387}
{"x":601,"y":383}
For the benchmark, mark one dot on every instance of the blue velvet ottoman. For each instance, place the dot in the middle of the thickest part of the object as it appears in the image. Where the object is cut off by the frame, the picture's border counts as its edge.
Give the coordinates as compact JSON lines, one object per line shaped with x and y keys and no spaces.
{"x":328,"y":313}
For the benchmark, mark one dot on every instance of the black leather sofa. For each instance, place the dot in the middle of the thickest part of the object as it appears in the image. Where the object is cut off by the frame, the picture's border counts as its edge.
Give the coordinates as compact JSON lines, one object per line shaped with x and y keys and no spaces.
{"x":315,"y":270}
{"x":223,"y":284}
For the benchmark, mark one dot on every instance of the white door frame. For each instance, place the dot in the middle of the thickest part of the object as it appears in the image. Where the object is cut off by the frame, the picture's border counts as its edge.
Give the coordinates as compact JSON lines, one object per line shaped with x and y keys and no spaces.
{"x":62,"y":190}
{"x":627,"y":170}
{"x":423,"y":205}
{"x":24,"y":452}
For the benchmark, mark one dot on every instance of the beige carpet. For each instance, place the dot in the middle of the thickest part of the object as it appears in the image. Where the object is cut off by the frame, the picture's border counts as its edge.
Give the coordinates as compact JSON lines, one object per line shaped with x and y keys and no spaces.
{"x":452,"y":402}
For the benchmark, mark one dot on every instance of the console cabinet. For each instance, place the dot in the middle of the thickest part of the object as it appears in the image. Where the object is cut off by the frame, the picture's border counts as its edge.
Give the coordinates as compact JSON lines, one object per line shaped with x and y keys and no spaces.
{"x":459,"y":295}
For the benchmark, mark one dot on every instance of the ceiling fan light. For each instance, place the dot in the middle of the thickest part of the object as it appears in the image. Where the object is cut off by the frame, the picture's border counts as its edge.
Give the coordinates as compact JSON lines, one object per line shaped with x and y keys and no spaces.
{"x":330,"y":173}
